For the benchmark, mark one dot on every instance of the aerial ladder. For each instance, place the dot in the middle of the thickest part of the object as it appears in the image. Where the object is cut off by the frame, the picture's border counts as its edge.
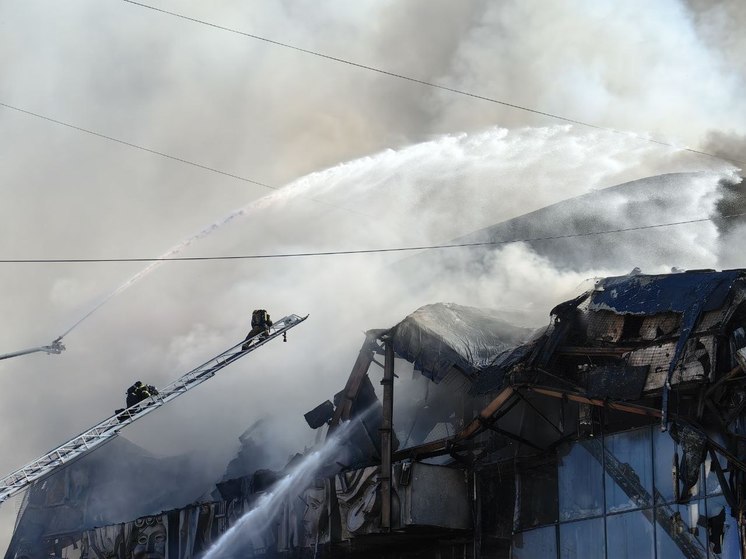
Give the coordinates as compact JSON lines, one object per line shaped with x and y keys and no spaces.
{"x":55,"y":347}
{"x":108,"y":429}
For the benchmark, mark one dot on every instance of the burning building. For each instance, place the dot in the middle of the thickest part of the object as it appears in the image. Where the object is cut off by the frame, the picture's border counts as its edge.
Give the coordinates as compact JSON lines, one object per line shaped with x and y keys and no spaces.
{"x":616,"y":431}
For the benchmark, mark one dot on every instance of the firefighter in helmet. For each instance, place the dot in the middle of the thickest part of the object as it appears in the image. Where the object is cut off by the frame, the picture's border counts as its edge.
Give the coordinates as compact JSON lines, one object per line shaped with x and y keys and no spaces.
{"x":139,"y":392}
{"x":133,"y":394}
{"x":136,"y":394}
{"x":260,"y":325}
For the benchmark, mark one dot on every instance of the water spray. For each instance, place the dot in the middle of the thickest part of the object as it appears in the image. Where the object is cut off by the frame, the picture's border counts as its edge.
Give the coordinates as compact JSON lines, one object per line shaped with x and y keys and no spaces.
{"x":253,"y":524}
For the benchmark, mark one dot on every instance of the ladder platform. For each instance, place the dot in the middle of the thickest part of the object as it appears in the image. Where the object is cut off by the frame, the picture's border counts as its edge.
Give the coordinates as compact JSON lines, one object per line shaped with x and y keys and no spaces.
{"x":109,"y":428}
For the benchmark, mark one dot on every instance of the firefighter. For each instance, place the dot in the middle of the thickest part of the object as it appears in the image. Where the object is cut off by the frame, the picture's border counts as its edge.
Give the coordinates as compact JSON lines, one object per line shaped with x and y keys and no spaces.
{"x":260,"y":325}
{"x":133,"y":396}
{"x":139,"y":392}
{"x":136,"y":394}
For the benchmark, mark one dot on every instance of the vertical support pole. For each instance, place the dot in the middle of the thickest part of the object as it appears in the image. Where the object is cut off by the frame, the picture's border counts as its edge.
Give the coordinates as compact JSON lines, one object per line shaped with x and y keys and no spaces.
{"x":477,"y":512}
{"x":386,"y":431}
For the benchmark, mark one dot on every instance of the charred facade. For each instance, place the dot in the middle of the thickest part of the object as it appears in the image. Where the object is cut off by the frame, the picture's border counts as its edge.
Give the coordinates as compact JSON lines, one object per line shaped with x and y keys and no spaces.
{"x":617,"y":431}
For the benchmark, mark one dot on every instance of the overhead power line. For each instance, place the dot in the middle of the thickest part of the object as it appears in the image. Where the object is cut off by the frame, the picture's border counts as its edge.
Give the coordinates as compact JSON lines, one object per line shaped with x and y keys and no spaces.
{"x":360,"y":251}
{"x":172,"y":157}
{"x":136,"y":146}
{"x":419,"y":81}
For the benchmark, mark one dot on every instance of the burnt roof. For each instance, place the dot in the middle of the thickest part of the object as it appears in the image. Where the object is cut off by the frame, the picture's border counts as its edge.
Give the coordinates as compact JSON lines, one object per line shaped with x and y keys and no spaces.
{"x":652,"y":294}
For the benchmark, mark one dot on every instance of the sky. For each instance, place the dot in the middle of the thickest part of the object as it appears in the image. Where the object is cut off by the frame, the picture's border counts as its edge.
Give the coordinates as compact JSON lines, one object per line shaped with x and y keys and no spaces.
{"x":190,"y":120}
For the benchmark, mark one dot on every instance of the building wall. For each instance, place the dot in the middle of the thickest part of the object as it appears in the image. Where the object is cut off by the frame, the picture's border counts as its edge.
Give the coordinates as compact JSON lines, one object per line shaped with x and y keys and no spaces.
{"x":615,"y":499}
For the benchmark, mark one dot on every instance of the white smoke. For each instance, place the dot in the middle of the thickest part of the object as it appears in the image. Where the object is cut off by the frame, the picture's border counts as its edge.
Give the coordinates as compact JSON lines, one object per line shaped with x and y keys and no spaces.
{"x":671,"y":71}
{"x":422,"y":194}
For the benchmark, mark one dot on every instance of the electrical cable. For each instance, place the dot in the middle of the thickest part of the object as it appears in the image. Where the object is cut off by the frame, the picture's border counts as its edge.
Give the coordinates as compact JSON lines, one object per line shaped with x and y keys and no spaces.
{"x":424,"y":82}
{"x":172,"y":157}
{"x":136,"y":146}
{"x":361,"y":251}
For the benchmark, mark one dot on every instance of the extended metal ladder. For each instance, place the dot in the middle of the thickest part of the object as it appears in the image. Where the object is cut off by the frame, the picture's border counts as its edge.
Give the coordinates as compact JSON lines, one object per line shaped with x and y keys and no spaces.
{"x":109,"y":428}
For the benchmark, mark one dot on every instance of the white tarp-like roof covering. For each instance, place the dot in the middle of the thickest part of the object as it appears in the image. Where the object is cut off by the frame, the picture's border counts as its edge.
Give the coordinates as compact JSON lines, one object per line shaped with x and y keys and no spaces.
{"x":441,"y":336}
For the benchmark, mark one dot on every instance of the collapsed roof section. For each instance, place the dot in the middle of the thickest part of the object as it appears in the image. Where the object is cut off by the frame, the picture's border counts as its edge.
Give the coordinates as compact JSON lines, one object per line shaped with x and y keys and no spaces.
{"x":444,"y":336}
{"x":633,"y":335}
{"x":621,"y":346}
{"x":605,"y":365}
{"x":630,"y":339}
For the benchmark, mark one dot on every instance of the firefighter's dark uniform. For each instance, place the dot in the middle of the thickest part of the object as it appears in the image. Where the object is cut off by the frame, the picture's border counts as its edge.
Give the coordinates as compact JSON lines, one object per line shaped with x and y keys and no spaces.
{"x":139,"y":392}
{"x":136,"y":394}
{"x":260,"y":324}
{"x":132,"y":394}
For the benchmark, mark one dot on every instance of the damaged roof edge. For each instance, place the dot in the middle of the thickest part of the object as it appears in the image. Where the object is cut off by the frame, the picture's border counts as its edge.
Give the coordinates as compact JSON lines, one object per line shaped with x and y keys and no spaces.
{"x":646,"y":295}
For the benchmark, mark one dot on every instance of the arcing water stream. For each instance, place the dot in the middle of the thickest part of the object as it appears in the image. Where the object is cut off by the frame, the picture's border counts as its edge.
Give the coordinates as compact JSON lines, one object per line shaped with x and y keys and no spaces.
{"x":237,"y":541}
{"x":173,"y":251}
{"x":496,"y":174}
{"x":419,"y":193}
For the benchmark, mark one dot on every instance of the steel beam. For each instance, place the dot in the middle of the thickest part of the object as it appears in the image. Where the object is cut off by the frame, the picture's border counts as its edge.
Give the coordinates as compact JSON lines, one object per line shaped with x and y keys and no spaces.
{"x":354,"y":381}
{"x":386,"y":434}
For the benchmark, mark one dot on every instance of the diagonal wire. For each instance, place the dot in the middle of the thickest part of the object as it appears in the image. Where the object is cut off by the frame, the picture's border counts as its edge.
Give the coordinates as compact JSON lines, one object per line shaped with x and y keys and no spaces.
{"x":171,"y":157}
{"x":423,"y":82}
{"x":136,"y":146}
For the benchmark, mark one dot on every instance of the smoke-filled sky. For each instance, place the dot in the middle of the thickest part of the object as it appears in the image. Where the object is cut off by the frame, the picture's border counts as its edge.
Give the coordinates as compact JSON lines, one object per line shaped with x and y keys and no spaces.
{"x":364,"y":160}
